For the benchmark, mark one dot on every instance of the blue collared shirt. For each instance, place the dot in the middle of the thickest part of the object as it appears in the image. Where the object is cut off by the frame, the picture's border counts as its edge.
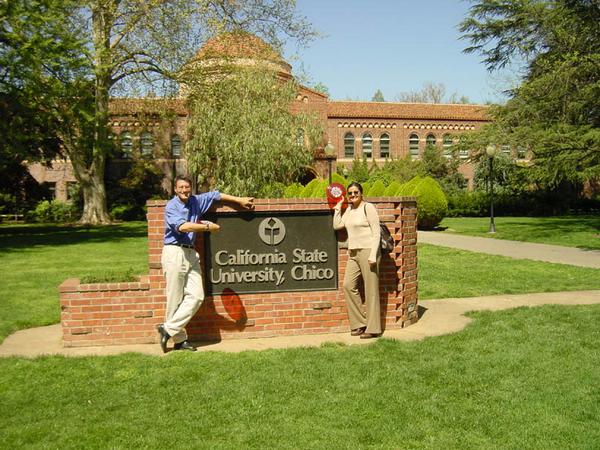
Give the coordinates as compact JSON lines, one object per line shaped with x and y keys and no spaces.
{"x":177,"y":213}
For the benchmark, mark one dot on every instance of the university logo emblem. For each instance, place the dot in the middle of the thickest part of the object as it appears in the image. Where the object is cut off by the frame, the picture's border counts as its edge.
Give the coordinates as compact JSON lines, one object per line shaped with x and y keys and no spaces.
{"x":271,"y":231}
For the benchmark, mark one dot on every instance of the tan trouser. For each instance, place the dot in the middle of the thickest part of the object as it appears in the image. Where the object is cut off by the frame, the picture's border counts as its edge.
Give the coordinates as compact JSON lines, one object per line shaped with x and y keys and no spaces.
{"x":357,"y":266}
{"x":185,"y":292}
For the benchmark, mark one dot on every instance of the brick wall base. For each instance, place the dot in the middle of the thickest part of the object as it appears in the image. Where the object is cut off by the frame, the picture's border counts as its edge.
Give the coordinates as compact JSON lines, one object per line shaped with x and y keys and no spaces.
{"x":127,"y":313}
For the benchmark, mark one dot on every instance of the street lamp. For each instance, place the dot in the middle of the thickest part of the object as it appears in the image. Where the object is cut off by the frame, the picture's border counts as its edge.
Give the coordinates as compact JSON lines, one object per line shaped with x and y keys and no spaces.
{"x":329,"y":152}
{"x":491,"y":151}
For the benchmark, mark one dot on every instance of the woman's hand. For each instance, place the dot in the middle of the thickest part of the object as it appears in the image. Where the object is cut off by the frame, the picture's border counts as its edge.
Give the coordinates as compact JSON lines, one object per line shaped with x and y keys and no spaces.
{"x":372,"y":264}
{"x":339,"y":204}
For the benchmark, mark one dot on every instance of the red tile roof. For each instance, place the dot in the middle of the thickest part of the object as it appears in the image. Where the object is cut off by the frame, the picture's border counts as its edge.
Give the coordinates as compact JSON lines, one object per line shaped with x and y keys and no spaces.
{"x":126,"y":106}
{"x":388,"y":110}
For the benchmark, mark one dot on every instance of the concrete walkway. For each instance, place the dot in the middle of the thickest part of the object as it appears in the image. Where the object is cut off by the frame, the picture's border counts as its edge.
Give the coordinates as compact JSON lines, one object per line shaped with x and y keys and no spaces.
{"x":514,"y":249}
{"x":438,"y":317}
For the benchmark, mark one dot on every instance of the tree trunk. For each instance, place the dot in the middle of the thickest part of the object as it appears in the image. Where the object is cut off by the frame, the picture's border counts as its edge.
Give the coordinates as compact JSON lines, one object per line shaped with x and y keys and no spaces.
{"x":94,"y":200}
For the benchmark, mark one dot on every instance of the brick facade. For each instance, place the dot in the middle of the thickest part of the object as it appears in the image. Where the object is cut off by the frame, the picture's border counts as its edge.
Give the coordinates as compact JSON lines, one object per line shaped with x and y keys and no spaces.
{"x":126,"y":313}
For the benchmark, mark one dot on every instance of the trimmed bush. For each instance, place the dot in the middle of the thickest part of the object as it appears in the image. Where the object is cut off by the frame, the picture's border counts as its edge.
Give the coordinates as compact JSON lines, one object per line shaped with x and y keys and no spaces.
{"x":309,"y":188}
{"x":392,"y":189}
{"x":408,"y":187}
{"x":293,"y":190}
{"x":377,"y":190}
{"x":432,"y":204}
{"x":337,"y":178}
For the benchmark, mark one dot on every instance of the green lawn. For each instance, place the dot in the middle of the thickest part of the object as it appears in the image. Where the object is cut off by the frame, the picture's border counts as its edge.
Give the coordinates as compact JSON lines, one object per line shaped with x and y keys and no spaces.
{"x":516,"y":379}
{"x":570,"y":231}
{"x":36,"y":259}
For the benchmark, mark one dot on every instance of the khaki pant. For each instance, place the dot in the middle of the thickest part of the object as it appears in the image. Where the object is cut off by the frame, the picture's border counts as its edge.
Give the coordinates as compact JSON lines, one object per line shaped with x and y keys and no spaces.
{"x":185,"y":292}
{"x":357,"y":267}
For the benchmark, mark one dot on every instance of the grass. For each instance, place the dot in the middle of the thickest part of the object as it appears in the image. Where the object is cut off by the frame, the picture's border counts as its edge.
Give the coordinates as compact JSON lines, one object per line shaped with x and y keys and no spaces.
{"x":523,"y":378}
{"x":570,"y":231}
{"x":36,"y":259}
{"x":446,"y":272}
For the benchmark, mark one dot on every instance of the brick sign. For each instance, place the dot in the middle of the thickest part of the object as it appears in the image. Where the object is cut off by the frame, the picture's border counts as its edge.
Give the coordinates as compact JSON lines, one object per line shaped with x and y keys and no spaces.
{"x":263,"y":252}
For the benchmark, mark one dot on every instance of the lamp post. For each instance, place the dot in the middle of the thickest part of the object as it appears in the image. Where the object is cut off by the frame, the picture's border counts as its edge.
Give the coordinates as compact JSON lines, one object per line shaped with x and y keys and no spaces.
{"x":329,"y":152}
{"x":491,"y":151}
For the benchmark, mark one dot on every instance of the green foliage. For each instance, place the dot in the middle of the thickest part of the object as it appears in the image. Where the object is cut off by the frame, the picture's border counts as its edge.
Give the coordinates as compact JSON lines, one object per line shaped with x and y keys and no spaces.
{"x":554,"y":113}
{"x":126,"y":275}
{"x":432,"y":204}
{"x":408,"y":187}
{"x":127,"y":195}
{"x":359,"y":171}
{"x":377,"y":189}
{"x":393,"y":189}
{"x":293,"y":190}
{"x":378,"y":96}
{"x":338,"y":178}
{"x":272,"y":190}
{"x":312,"y":186}
{"x":53,"y":211}
{"x":242,"y":133}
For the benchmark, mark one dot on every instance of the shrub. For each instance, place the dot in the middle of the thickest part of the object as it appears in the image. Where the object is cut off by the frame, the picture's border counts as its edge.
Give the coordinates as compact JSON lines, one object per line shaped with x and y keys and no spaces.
{"x":307,"y":192}
{"x":408,"y":187}
{"x":272,"y":190}
{"x":432,"y":204}
{"x":377,"y":190}
{"x":337,"y":178}
{"x":128,"y":212}
{"x":54,"y":211}
{"x":293,"y":190}
{"x":392,"y":189}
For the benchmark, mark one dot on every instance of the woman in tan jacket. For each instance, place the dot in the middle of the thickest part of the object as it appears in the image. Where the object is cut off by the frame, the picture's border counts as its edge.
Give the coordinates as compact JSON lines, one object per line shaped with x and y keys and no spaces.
{"x":362,"y":224}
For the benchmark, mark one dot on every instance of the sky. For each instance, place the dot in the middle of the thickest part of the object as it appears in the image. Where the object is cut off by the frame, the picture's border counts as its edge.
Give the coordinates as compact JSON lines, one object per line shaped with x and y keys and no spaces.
{"x":392,"y":45}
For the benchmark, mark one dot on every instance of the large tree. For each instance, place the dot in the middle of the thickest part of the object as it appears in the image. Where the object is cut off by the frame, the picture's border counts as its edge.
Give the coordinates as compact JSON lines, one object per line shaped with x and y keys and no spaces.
{"x":554,"y":113}
{"x":130,"y":45}
{"x":245,"y":137}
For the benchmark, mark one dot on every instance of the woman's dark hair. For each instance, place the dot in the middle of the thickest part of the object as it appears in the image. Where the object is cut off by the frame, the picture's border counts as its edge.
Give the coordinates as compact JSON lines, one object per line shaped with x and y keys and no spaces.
{"x":357,"y":185}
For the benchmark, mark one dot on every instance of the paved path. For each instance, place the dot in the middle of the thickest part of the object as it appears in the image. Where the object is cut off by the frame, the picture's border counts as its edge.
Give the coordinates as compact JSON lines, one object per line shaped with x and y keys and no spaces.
{"x":514,"y":249}
{"x":438,"y":317}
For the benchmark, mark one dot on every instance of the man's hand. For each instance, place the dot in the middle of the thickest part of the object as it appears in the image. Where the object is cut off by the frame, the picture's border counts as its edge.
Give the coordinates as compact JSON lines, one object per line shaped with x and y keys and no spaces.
{"x":246,"y":202}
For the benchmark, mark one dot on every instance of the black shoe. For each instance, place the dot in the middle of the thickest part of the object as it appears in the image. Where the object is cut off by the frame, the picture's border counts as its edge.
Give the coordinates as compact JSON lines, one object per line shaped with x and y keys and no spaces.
{"x":164,"y":337}
{"x":185,"y":345}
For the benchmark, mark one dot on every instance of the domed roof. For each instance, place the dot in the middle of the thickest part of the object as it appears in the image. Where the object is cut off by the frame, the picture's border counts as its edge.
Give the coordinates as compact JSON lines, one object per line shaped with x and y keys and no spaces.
{"x":241,"y":45}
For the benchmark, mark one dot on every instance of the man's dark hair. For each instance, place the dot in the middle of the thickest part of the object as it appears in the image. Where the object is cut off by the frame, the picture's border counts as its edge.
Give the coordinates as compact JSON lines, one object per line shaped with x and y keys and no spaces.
{"x":183,"y":178}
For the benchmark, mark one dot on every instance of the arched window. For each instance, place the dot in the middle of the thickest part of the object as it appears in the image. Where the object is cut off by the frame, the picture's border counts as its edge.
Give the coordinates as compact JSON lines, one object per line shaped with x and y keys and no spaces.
{"x":447,"y":144}
{"x":349,"y":145}
{"x":126,"y":144}
{"x":521,"y":153}
{"x":175,"y":146}
{"x":367,"y":145}
{"x":384,"y":146}
{"x":413,"y":146}
{"x":147,"y":144}
{"x":506,"y":149}
{"x":430,"y":140}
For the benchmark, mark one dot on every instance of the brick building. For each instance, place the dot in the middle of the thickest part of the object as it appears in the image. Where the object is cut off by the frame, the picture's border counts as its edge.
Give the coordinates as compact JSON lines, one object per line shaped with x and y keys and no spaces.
{"x":155,"y":128}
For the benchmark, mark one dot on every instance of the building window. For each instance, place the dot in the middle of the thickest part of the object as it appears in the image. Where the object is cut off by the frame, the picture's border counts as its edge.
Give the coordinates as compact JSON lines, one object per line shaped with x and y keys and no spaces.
{"x":367,"y":145}
{"x":147,"y":144}
{"x":413,"y":146}
{"x":521,"y":153}
{"x":349,"y":145}
{"x":430,"y":140}
{"x":175,"y":146}
{"x":384,"y":145}
{"x":447,"y":145}
{"x":126,"y":145}
{"x":505,"y":149}
{"x":50,"y":190}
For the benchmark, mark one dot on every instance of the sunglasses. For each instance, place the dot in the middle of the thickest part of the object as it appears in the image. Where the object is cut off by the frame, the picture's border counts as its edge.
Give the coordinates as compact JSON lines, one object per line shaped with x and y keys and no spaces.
{"x":353,"y":193}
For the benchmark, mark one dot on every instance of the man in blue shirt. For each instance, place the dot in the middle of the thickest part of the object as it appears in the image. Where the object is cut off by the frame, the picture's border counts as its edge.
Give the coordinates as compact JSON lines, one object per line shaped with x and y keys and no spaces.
{"x":180,"y":262}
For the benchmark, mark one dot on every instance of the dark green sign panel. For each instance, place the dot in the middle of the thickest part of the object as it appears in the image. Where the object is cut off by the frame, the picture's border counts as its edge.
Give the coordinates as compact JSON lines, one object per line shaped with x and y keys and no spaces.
{"x":270,"y":252}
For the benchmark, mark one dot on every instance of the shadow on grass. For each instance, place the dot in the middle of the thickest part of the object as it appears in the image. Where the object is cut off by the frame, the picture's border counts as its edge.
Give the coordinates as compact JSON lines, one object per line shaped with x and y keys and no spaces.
{"x":17,"y":237}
